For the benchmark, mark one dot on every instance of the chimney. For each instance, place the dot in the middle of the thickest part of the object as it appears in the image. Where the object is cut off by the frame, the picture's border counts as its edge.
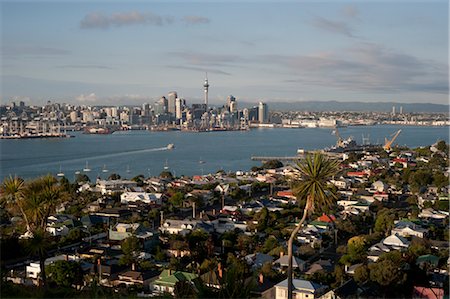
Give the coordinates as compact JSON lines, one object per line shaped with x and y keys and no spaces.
{"x":219,"y":269}
{"x":261,"y":278}
{"x":133,"y":267}
{"x":214,"y":211}
{"x":281,"y":253}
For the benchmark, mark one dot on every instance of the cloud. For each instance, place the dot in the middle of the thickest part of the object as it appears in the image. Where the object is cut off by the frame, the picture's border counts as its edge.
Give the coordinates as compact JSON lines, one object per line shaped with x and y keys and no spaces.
{"x":200,"y":69}
{"x":337,"y":27}
{"x":77,"y":66}
{"x":206,"y":59}
{"x":90,"y":98}
{"x":32,"y":51}
{"x":366,"y":67}
{"x":100,"y":21}
{"x":350,"y":11}
{"x":194,"y":20}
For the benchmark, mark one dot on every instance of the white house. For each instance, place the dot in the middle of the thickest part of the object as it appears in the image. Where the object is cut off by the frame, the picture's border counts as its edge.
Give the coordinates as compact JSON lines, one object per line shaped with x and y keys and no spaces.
{"x":396,"y":242}
{"x":174,"y":226}
{"x":148,"y":198}
{"x":303,"y":289}
{"x":408,"y":228}
{"x":33,"y":269}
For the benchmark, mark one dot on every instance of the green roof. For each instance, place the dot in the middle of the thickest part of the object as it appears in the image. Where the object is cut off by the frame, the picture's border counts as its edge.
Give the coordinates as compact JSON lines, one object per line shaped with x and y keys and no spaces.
{"x":428,"y":258}
{"x":168,"y":279}
{"x":319,"y":223}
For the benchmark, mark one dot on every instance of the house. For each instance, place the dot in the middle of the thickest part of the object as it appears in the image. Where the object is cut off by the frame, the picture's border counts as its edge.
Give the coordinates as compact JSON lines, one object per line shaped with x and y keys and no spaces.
{"x":321,"y":265}
{"x":406,"y":228}
{"x":257,"y":260}
{"x":112,"y":186}
{"x":213,"y":278}
{"x":264,"y":288}
{"x":133,"y":277}
{"x":283,"y":261}
{"x":302,"y":289}
{"x":396,"y":242}
{"x":174,"y":226}
{"x":168,"y":278}
{"x":121,"y":231}
{"x":148,"y":198}
{"x":427,"y":292}
{"x":347,"y":290}
{"x":33,"y":269}
{"x":427,"y":261}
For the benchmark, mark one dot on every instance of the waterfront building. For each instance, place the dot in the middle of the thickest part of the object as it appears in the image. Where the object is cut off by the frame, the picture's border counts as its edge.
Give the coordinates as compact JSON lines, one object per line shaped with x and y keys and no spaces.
{"x":178,"y":108}
{"x":263,"y":113}
{"x":171,"y":98}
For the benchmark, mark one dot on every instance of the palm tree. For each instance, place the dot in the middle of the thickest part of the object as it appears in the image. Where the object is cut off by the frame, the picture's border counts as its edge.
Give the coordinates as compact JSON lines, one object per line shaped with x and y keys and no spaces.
{"x":38,"y":245}
{"x":314,"y":171}
{"x":12,"y":191}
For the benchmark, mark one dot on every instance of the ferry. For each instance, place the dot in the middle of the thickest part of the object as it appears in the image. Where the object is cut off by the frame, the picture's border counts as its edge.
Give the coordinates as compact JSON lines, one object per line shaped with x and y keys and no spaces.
{"x":170,"y":146}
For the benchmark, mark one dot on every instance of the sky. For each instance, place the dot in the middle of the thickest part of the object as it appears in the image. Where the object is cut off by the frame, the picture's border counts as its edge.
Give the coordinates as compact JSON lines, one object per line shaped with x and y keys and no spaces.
{"x":117,"y":52}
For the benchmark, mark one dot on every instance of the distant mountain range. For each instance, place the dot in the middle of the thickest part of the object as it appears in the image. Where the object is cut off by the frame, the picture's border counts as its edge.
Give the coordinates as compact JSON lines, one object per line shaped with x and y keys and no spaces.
{"x":352,"y":106}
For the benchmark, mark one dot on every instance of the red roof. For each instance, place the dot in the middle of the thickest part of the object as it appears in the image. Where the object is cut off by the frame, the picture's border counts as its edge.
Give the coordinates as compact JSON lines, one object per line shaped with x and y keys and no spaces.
{"x":357,"y":173}
{"x":326,"y":218}
{"x":287,"y":193}
{"x":429,"y":293}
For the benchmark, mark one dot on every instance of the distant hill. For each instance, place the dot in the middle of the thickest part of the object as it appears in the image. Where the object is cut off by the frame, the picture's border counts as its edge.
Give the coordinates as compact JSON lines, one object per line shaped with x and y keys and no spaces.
{"x":352,"y":106}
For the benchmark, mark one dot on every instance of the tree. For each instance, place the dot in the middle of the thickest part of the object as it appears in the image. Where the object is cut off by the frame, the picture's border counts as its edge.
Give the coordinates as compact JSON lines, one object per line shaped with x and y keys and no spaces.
{"x":38,"y":245}
{"x":442,"y":146}
{"x":166,"y":174}
{"x":82,"y":178}
{"x":65,"y":273}
{"x":356,"y":248}
{"x":12,"y":191}
{"x":384,"y":221}
{"x":176,"y":199}
{"x":315,"y":171}
{"x":361,"y":274}
{"x":272,"y":164}
{"x":114,"y":177}
{"x":388,"y":270}
{"x":130,"y":248}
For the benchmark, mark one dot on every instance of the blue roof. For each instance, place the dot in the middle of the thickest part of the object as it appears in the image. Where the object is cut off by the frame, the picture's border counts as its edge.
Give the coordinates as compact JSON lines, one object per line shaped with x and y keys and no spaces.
{"x":301,"y":284}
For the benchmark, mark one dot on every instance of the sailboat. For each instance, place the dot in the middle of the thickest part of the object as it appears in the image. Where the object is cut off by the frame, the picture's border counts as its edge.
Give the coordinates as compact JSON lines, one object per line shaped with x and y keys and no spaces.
{"x":128,"y":169}
{"x":77,"y":172}
{"x":87,"y":169}
{"x":166,"y":166}
{"x":104,"y":168}
{"x":60,"y":173}
{"x":201,"y":161}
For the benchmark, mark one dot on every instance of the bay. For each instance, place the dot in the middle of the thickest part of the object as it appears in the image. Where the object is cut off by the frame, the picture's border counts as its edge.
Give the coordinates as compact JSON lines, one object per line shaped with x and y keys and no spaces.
{"x":130,"y":153}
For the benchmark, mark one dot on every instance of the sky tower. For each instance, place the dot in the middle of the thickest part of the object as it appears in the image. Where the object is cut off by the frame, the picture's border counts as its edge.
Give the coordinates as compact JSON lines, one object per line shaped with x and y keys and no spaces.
{"x":206,"y":85}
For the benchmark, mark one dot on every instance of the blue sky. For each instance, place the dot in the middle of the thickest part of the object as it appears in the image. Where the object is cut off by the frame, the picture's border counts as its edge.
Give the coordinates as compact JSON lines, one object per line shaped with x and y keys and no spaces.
{"x":134,"y":52}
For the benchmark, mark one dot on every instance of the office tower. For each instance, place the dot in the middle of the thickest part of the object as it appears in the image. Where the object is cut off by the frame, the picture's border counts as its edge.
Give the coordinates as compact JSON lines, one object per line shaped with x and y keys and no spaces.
{"x":73,"y":116}
{"x":172,"y":96}
{"x":231,"y":103}
{"x":114,"y":112}
{"x":162,"y":103}
{"x":145,"y":109}
{"x":393,"y":110}
{"x":206,"y":86}
{"x":401,"y":109}
{"x":178,"y":108}
{"x":263,"y":113}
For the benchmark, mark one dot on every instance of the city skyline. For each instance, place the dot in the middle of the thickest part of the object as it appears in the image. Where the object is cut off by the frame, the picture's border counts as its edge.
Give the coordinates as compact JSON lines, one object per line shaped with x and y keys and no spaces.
{"x":114,"y":53}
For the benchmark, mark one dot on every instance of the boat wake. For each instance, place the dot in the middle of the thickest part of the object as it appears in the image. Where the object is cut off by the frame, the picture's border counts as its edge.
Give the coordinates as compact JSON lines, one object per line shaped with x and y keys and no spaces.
{"x":99,"y":157}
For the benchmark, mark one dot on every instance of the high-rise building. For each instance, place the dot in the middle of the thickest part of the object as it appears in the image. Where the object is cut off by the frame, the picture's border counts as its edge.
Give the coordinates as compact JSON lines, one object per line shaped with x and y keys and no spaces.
{"x":401,"y":109}
{"x":393,"y":110}
{"x":172,"y":96}
{"x":178,"y":108}
{"x":231,"y":104}
{"x":263,"y":113}
{"x":206,"y":86}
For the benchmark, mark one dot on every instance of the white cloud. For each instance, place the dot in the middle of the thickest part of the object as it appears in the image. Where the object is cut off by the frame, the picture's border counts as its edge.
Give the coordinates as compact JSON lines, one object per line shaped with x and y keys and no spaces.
{"x":90,"y":98}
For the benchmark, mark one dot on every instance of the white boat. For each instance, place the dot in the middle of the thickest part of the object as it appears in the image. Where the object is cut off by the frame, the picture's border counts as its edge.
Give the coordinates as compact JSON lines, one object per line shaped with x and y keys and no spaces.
{"x":60,"y":173}
{"x":77,"y":172}
{"x":87,"y":169}
{"x":104,"y":169}
{"x":170,"y":146}
{"x":166,"y":166}
{"x":128,"y":169}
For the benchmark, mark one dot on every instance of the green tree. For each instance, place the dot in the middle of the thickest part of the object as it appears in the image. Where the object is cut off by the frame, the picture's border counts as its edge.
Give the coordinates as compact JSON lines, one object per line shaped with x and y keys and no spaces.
{"x":362,"y":274}
{"x":82,"y":178}
{"x":388,"y":270}
{"x":177,"y":199}
{"x":384,"y":221}
{"x":38,"y":245}
{"x":442,"y":146}
{"x":65,"y":273}
{"x":12,"y":196}
{"x":356,"y":248}
{"x":114,"y":177}
{"x":315,"y":171}
{"x":130,"y":248}
{"x":166,"y":174}
{"x":272,"y":164}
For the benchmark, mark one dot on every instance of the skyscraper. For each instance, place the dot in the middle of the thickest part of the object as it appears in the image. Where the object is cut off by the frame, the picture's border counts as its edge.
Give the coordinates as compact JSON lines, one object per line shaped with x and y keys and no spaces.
{"x":263,"y":113}
{"x":172,"y":96}
{"x":206,"y":86}
{"x":231,"y":103}
{"x":178,"y":108}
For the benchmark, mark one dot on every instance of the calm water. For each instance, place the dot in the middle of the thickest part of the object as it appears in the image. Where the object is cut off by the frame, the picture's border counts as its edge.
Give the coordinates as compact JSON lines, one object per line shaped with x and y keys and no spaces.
{"x":141,"y":152}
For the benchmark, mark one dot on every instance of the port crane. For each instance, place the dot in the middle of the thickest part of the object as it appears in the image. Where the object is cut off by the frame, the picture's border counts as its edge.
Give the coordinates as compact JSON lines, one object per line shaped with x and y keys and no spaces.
{"x":340,"y":141}
{"x":388,"y":143}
